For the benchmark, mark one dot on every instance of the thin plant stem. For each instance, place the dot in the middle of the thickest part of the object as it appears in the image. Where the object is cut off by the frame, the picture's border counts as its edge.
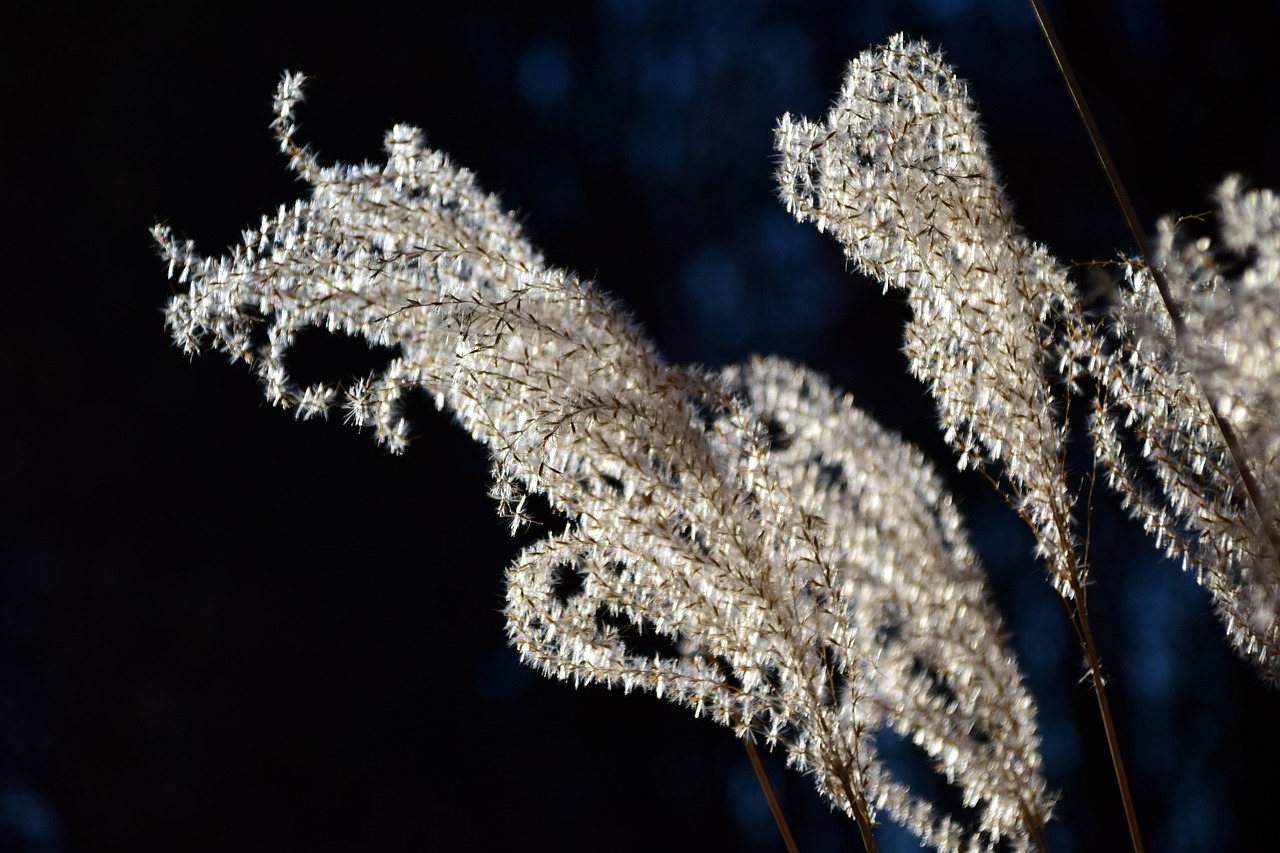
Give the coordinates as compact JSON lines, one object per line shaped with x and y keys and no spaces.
{"x":1079,"y":615}
{"x":1035,"y":828}
{"x":1100,"y":149}
{"x":774,"y":805}
{"x":862,"y":816}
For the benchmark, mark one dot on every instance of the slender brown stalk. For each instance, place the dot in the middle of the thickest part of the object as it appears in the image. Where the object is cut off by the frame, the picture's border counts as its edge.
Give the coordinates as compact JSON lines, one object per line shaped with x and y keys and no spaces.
{"x":861,"y":814}
{"x":1102,"y":152}
{"x":1079,"y":615}
{"x":774,"y":806}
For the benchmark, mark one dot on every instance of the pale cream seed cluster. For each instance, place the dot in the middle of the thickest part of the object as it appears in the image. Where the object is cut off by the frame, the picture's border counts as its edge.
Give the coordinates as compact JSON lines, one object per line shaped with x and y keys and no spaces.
{"x":807,"y":571}
{"x":807,"y":575}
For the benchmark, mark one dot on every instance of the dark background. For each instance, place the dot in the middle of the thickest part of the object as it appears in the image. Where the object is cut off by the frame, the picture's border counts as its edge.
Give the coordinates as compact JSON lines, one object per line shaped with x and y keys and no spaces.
{"x":221,"y":629}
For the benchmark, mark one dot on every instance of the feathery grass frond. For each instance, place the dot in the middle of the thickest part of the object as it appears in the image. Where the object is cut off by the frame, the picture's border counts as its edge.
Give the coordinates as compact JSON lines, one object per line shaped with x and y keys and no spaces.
{"x":806,"y":574}
{"x":1173,"y":386}
{"x":899,"y":174}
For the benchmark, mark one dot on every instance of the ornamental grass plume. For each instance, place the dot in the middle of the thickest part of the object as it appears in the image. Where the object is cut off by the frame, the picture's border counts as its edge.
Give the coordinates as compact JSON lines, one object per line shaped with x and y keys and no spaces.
{"x":1180,"y":379}
{"x":899,"y":174}
{"x":806,"y":571}
{"x":800,"y":571}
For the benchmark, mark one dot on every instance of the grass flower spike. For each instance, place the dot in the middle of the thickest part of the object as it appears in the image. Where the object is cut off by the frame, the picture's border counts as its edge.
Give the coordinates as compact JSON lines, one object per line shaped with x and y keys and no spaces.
{"x":745,"y":543}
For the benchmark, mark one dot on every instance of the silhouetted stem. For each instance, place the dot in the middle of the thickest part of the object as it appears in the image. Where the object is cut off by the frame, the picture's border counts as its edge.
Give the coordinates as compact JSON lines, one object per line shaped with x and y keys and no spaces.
{"x":774,"y":806}
{"x":1080,"y":621}
{"x":862,"y":816}
{"x":1100,"y":149}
